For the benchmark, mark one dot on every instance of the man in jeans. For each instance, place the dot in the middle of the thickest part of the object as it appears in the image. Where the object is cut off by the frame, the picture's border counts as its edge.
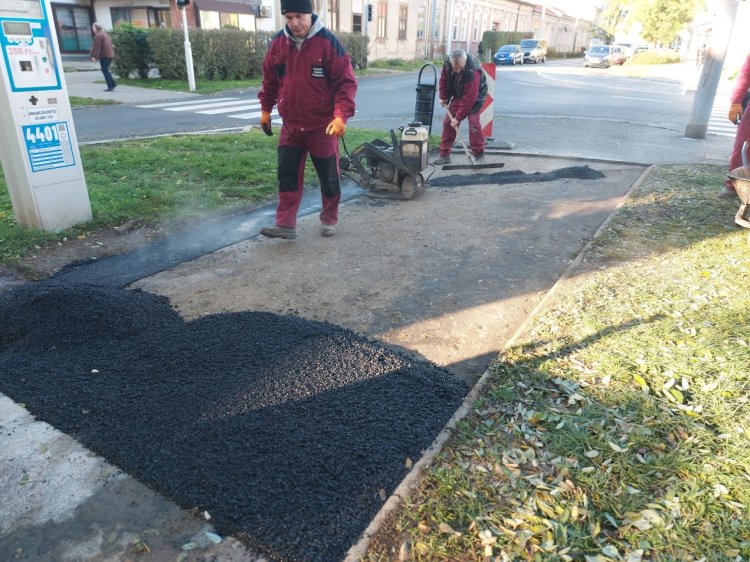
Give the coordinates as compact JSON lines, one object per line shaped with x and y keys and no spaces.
{"x":103,"y":51}
{"x":308,"y":75}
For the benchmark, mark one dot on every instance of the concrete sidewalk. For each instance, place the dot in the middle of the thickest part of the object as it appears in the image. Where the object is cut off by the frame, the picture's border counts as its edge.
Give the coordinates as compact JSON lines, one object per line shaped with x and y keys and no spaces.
{"x":84,"y":79}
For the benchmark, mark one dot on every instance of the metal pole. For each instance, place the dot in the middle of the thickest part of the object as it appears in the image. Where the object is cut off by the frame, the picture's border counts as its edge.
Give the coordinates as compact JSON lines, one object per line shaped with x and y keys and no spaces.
{"x":188,"y":53}
{"x":433,"y":29}
{"x":705,"y":93}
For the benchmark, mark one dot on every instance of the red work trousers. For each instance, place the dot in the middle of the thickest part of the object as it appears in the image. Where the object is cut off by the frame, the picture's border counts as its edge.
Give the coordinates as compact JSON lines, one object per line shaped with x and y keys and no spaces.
{"x":476,"y":137}
{"x":743,"y":134}
{"x":294,"y":145}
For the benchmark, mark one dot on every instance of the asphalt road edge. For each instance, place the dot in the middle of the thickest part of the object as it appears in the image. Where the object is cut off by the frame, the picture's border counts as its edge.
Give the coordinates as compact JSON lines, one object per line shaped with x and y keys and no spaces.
{"x":357,"y":552}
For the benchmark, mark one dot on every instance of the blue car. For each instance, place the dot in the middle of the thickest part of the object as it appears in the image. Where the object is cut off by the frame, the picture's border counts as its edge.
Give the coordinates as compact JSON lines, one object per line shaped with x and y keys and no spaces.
{"x":509,"y":54}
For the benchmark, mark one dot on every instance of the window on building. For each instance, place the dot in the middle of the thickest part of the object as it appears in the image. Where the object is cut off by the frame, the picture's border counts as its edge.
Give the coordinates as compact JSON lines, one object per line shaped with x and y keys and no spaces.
{"x":454,"y":30}
{"x":333,"y":15}
{"x":382,"y":18}
{"x":421,"y":22}
{"x":464,"y":31}
{"x":139,"y":17}
{"x":229,"y":20}
{"x":475,"y":33}
{"x":356,"y":23}
{"x":435,"y":28}
{"x":403,"y":12}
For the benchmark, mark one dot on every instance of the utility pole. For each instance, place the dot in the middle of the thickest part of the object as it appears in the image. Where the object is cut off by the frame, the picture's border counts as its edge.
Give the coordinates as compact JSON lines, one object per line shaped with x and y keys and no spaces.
{"x":433,"y":28}
{"x":708,"y":83}
{"x":188,"y":49}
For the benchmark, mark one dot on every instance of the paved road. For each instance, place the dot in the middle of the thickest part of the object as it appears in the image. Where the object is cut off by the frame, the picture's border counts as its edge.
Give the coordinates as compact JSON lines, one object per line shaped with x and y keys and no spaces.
{"x":558,"y":108}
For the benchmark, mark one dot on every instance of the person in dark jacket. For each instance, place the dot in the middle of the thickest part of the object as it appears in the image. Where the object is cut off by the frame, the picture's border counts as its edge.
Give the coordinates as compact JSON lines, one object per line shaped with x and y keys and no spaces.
{"x":462,"y":89}
{"x":103,"y":51}
{"x":308,"y":76}
{"x":737,"y":112}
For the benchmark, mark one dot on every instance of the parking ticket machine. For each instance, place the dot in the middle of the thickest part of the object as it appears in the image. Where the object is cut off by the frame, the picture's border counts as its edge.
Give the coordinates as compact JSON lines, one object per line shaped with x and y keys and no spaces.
{"x":38,"y":143}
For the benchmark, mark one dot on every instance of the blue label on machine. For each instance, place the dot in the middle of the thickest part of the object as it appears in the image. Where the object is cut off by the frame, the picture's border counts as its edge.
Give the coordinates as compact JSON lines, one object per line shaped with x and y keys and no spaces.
{"x":48,"y":146}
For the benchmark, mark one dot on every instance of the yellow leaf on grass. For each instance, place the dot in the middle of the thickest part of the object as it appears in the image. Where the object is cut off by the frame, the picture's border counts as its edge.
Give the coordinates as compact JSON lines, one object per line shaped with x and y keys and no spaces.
{"x":640,"y":381}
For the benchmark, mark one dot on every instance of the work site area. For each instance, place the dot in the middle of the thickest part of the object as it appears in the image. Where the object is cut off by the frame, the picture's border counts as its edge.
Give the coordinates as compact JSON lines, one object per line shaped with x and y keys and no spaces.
{"x":394,"y":392}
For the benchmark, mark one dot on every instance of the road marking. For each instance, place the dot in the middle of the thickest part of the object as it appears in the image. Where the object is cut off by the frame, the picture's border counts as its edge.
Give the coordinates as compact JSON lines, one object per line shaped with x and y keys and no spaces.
{"x":255,"y":105}
{"x":176,"y":103}
{"x":204,"y":105}
{"x":642,"y":99}
{"x":529,"y":84}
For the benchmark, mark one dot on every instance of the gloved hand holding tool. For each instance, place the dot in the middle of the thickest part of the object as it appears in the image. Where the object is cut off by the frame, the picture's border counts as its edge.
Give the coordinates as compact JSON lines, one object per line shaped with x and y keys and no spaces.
{"x":337,"y":127}
{"x":265,"y":122}
{"x":468,"y":153}
{"x":735,"y":113}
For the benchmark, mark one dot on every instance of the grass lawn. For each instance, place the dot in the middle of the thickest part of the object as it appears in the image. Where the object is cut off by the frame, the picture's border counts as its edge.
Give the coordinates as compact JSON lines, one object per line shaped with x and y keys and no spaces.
{"x":165,"y":179}
{"x":617,"y":426}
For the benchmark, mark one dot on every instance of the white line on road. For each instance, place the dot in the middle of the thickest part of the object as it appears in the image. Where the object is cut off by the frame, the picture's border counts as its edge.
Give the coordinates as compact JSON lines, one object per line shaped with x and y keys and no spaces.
{"x":529,"y":84}
{"x":175,"y":103}
{"x":642,"y":99}
{"x":230,"y":109}
{"x":205,"y":105}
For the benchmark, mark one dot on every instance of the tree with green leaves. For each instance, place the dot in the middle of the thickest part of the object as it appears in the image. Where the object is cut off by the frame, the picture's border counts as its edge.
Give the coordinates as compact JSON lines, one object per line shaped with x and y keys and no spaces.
{"x":662,"y":20}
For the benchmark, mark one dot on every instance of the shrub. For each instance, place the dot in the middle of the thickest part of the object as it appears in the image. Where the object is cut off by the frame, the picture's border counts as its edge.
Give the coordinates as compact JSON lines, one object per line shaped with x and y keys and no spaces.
{"x":654,"y":57}
{"x":132,"y":51}
{"x":356,"y":45}
{"x":167,"y":48}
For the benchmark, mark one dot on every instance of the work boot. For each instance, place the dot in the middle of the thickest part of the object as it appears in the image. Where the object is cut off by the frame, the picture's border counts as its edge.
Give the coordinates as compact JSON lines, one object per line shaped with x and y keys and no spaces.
{"x":327,"y":230}
{"x":479,"y":158}
{"x":442,"y":161}
{"x":285,"y":232}
{"x":727,"y":193}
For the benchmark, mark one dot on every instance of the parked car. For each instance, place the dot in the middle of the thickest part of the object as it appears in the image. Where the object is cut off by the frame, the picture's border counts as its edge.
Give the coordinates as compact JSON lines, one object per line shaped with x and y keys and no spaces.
{"x":598,"y":55}
{"x":617,"y":55}
{"x":509,"y":54}
{"x":534,"y":50}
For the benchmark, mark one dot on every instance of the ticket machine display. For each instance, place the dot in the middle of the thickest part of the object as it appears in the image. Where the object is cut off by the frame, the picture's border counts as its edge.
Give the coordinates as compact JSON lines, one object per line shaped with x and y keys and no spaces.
{"x":39,"y":151}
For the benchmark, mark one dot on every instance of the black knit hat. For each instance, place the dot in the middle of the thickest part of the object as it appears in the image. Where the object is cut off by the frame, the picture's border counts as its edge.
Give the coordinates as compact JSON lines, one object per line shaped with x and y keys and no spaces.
{"x":299,"y":6}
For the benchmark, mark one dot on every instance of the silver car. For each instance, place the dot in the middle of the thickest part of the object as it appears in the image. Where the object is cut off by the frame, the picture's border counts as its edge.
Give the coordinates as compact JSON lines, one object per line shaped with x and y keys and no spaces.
{"x":598,"y":55}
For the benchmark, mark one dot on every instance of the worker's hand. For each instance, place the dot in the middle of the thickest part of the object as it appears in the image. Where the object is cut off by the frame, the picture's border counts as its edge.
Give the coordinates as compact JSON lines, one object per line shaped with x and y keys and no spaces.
{"x":734,"y":110}
{"x":265,"y":122}
{"x":337,"y":127}
{"x":93,"y":59}
{"x":455,"y":123}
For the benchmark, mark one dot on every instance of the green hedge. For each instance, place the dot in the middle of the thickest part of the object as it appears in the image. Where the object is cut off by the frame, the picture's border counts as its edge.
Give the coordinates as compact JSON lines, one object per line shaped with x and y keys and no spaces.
{"x":654,"y":57}
{"x":226,"y":54}
{"x":493,"y":40}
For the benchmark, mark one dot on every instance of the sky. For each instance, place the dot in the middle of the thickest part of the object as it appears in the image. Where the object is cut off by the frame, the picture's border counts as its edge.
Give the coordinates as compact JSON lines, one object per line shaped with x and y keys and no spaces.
{"x":576,"y":8}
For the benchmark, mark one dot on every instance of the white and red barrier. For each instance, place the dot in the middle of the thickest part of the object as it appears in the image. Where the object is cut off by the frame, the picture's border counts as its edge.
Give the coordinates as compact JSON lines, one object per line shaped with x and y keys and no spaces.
{"x":486,"y":113}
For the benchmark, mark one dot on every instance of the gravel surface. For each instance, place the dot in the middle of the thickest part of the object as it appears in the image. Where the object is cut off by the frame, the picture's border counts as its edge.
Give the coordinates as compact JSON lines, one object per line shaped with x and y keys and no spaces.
{"x":289,"y":432}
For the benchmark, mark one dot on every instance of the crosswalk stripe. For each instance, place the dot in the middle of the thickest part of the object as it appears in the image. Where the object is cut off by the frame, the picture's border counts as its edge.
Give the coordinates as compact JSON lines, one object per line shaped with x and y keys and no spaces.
{"x":229,"y":109}
{"x":204,"y":105}
{"x":176,"y":103}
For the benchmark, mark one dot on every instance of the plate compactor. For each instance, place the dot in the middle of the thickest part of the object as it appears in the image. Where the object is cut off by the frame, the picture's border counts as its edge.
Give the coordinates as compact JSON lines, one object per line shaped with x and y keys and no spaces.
{"x":393,"y":171}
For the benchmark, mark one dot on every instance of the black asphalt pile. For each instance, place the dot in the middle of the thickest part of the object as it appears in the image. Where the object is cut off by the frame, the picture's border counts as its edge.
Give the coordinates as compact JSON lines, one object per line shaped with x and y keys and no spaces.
{"x":287,"y":431}
{"x":517,"y":176}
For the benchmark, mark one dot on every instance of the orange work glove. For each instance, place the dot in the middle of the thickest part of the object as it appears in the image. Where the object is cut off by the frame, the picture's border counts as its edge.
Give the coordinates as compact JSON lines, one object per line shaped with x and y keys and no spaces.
{"x":337,"y":127}
{"x":734,"y":110}
{"x":265,"y":122}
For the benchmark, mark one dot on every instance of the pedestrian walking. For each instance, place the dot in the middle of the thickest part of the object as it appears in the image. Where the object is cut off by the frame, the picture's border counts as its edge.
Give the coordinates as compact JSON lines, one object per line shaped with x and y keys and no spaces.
{"x":462,"y":89}
{"x":737,"y":116}
{"x":103,"y":51}
{"x":308,"y":75}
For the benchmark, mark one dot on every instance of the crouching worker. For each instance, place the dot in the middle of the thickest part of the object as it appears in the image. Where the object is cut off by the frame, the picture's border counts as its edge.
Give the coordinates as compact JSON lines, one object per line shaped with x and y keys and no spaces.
{"x":462,"y":89}
{"x":308,"y":75}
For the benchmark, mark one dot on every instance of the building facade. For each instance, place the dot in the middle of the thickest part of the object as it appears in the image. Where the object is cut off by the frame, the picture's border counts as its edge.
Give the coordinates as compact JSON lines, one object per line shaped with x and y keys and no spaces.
{"x":397,"y":29}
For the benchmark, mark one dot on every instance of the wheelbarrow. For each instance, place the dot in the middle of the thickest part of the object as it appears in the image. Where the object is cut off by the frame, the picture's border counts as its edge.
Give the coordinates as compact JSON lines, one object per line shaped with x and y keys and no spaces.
{"x":741,"y":180}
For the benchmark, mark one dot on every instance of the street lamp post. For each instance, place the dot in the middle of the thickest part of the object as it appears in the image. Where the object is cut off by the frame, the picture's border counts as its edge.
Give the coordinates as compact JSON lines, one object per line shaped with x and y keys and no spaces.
{"x":188,"y":52}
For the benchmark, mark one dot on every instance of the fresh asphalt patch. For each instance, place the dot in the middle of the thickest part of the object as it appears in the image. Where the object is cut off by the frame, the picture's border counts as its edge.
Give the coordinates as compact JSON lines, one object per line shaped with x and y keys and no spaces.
{"x":517,"y":176}
{"x":290,"y":432}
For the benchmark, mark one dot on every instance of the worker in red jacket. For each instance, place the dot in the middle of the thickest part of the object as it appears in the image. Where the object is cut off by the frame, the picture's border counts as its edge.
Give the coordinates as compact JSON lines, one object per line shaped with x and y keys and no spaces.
{"x":308,"y":75}
{"x":462,"y":89}
{"x":736,"y":111}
